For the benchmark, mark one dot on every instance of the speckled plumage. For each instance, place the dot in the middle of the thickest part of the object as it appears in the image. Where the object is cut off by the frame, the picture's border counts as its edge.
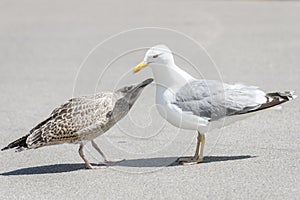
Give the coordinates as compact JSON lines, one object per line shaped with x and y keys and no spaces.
{"x":78,"y":119}
{"x":81,"y":119}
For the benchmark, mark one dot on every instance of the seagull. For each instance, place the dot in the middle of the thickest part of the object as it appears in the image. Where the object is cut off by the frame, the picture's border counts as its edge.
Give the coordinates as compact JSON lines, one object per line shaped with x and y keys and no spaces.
{"x":81,"y":120}
{"x":197,"y":104}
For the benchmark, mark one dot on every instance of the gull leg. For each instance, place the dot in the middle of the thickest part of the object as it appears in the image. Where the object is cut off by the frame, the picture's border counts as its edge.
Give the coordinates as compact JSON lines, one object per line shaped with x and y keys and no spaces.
{"x":102,"y":154}
{"x":199,"y":141}
{"x":202,"y":147}
{"x":196,"y":158}
{"x":99,"y":150}
{"x":87,"y":163}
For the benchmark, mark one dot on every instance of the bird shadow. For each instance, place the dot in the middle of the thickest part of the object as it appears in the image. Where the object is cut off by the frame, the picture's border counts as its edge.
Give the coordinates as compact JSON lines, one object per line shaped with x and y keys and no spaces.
{"x":146,"y":162}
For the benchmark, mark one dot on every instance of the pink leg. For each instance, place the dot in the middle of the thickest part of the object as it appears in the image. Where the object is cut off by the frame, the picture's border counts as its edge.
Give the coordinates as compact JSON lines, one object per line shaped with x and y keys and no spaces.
{"x":87,"y":163}
{"x":102,"y":154}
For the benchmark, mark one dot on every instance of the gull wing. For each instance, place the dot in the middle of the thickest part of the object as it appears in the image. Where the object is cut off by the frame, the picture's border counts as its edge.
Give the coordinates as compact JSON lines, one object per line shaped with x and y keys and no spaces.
{"x":71,"y":117}
{"x":214,"y":100}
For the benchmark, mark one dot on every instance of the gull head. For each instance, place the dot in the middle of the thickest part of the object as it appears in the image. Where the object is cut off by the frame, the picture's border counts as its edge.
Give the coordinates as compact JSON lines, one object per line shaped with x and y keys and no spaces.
{"x":159,"y":54}
{"x":131,"y":93}
{"x":127,"y":96}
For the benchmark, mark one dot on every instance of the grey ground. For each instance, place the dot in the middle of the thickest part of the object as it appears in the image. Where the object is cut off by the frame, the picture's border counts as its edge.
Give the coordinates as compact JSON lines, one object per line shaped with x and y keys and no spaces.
{"x":254,"y":42}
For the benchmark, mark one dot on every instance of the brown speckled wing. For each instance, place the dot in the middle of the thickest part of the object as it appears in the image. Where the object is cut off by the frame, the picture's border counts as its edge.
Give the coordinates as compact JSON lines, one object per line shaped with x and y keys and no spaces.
{"x":66,"y":121}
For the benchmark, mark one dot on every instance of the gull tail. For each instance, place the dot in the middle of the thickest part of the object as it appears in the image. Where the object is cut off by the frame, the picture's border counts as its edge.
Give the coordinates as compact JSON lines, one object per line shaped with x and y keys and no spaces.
{"x":277,"y":98}
{"x":283,"y":96}
{"x":20,"y":144}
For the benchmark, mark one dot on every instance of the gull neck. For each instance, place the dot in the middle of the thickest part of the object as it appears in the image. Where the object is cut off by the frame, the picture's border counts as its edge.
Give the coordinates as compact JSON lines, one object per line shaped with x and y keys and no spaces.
{"x":170,"y":76}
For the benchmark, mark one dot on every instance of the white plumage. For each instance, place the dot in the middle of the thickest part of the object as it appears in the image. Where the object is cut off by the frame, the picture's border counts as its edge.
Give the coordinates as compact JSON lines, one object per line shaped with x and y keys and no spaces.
{"x":189,"y":103}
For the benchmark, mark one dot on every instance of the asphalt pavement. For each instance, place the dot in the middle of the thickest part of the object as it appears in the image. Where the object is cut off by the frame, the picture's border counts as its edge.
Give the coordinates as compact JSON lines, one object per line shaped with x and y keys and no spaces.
{"x":47,"y":56}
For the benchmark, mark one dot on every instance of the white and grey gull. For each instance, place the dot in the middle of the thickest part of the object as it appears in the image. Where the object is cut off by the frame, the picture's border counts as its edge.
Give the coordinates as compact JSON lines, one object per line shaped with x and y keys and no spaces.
{"x":81,"y":120}
{"x":194,"y":104}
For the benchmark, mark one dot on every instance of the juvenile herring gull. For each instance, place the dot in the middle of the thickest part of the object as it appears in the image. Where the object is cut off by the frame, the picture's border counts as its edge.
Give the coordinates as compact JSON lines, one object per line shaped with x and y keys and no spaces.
{"x":195,"y":104}
{"x":81,"y":120}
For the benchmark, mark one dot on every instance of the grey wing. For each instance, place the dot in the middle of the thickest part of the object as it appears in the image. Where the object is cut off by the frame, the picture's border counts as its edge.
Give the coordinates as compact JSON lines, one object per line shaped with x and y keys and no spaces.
{"x":214,"y":100}
{"x":68,"y":119}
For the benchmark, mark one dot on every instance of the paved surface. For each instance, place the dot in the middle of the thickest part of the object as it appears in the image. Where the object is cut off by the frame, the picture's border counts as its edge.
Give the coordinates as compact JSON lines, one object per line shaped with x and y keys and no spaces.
{"x":42,"y":46}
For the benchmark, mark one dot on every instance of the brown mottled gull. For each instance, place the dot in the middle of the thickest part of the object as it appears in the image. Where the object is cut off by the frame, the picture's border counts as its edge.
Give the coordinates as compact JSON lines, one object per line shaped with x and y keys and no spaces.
{"x":81,"y":120}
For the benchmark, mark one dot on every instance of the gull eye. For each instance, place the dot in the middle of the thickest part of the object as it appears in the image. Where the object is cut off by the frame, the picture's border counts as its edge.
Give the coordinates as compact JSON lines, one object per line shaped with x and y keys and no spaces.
{"x":129,"y":88}
{"x":126,"y":89}
{"x":155,"y":56}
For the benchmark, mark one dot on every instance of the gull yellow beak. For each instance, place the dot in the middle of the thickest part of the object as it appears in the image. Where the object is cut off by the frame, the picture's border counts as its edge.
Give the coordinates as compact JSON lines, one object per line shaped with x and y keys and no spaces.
{"x":140,"y":66}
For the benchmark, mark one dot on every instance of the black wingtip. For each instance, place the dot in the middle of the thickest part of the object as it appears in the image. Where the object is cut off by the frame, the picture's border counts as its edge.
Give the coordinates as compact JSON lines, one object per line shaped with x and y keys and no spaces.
{"x":19,"y":143}
{"x":5,"y":148}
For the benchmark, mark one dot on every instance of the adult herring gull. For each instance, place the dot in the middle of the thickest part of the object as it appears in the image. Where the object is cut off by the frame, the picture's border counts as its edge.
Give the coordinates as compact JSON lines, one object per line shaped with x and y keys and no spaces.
{"x":195,"y":104}
{"x":81,"y":120}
